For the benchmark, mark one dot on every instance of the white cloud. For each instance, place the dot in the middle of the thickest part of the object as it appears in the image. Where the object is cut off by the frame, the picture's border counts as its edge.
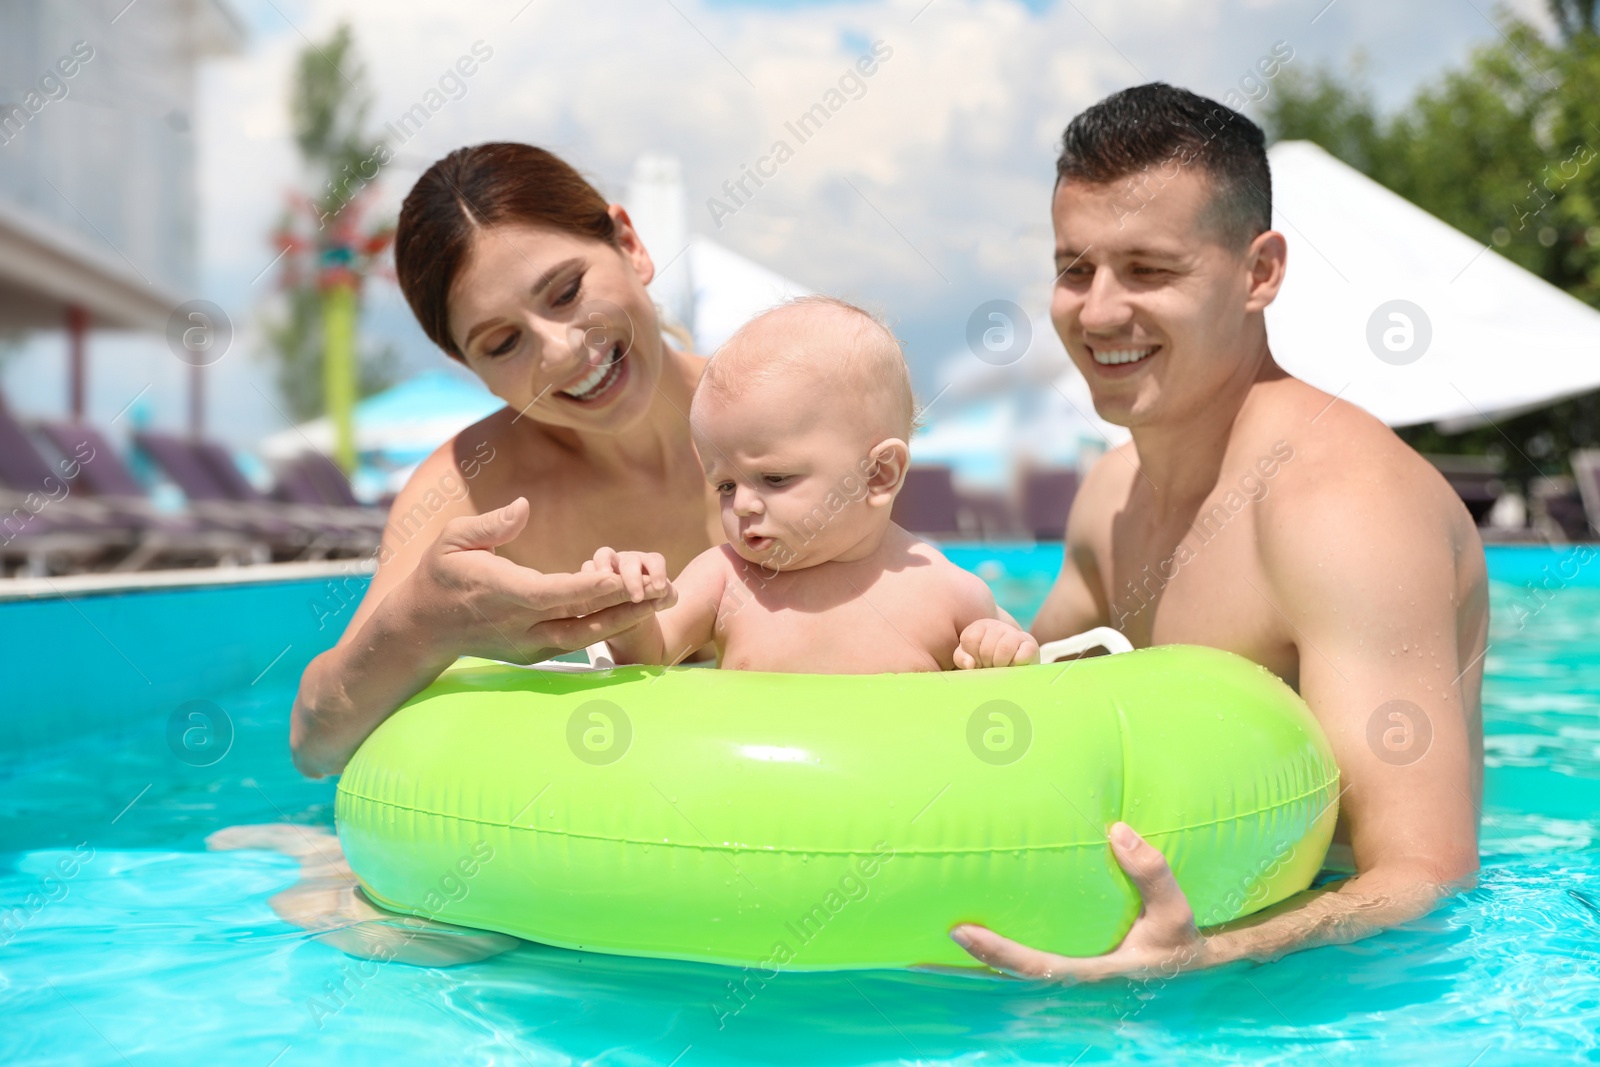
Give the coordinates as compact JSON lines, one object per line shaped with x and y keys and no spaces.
{"x":951,"y":147}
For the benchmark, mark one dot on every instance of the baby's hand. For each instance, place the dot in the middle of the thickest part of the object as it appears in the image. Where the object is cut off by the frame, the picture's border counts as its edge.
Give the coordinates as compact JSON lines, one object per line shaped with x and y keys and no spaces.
{"x":993,"y":643}
{"x":644,"y":574}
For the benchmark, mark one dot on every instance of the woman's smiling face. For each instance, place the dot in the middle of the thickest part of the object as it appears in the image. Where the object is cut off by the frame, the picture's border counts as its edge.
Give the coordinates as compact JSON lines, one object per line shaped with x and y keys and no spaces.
{"x":560,"y":327}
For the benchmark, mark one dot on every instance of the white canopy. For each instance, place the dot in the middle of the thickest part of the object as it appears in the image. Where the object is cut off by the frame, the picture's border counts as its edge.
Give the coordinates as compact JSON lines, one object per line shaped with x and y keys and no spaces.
{"x":708,"y":289}
{"x":402,"y":424}
{"x":730,"y":290}
{"x":1502,"y":340}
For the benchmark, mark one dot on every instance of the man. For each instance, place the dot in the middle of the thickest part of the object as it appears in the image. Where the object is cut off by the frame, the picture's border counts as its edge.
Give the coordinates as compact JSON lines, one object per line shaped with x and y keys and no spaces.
{"x":1256,"y":514}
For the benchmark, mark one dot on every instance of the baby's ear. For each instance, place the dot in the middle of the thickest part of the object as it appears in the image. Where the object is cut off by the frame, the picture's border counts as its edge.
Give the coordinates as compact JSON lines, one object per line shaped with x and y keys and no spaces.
{"x":886,"y":471}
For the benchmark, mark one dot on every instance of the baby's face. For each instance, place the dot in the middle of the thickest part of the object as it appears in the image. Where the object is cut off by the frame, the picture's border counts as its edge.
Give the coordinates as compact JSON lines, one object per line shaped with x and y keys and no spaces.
{"x":790,"y":462}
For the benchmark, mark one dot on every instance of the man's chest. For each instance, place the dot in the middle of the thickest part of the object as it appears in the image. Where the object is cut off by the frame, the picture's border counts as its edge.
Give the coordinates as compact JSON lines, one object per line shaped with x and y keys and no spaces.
{"x":1198,"y":582}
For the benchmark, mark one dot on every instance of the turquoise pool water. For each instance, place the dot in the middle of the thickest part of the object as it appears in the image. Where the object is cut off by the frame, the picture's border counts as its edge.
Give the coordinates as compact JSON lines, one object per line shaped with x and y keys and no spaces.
{"x":123,"y":941}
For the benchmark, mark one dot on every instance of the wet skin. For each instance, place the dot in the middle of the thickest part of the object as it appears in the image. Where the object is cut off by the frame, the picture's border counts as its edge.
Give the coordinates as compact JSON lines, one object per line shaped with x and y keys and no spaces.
{"x":1254,"y":513}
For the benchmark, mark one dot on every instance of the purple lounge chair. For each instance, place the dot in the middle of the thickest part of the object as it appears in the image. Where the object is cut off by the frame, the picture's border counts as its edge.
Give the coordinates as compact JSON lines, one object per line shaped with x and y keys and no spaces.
{"x":303,"y":531}
{"x":341,"y":529}
{"x":181,"y":538}
{"x":313,"y":480}
{"x":45,"y":522}
{"x":1475,"y":479}
{"x":989,"y":516}
{"x":209,"y":499}
{"x":1047,"y":495}
{"x":927,"y":503}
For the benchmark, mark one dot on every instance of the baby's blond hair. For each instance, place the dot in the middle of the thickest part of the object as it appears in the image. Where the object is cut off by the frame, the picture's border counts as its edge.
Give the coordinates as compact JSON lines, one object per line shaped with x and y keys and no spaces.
{"x":868,"y":363}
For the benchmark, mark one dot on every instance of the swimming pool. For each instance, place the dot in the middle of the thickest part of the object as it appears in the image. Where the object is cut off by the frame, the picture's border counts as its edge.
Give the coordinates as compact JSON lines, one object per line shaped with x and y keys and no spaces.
{"x":135,"y":725}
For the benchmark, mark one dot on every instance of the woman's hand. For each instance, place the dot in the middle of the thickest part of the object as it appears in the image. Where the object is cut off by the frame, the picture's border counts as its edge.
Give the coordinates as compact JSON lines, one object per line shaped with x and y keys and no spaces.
{"x":479,"y":603}
{"x":995,"y":643}
{"x":459,"y":599}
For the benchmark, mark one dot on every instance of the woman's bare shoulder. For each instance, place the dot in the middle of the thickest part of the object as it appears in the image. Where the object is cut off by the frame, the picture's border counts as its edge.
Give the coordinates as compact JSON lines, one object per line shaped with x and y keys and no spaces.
{"x":471,"y":473}
{"x":498,"y":458}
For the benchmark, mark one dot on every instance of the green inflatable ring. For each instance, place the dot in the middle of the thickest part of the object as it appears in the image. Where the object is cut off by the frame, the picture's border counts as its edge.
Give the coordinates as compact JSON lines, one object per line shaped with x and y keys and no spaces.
{"x":836,"y":821}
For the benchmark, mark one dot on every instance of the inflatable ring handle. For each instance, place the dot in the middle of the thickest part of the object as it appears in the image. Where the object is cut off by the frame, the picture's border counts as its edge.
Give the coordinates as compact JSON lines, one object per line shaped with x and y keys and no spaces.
{"x":1100,"y":637}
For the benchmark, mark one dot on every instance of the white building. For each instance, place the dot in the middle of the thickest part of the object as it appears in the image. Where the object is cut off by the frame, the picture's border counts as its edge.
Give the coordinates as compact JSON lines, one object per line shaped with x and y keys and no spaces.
{"x":97,"y":162}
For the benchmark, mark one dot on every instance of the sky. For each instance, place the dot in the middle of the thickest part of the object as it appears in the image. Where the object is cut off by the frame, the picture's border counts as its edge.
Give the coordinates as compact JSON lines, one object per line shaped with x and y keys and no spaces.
{"x":925,"y":196}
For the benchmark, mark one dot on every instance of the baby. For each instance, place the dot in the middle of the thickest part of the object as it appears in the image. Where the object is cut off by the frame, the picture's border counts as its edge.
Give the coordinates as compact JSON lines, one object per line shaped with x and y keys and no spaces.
{"x":801,"y":421}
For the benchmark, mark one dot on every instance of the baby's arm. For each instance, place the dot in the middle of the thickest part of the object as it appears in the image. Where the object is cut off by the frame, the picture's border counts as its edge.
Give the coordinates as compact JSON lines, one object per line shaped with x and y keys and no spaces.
{"x":689,"y":617}
{"x":992,"y":637}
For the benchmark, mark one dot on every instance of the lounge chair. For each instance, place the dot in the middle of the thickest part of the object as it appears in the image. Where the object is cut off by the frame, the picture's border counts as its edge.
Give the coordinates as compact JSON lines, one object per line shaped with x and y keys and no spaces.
{"x":38,"y":545}
{"x":927,"y":503}
{"x":208,"y":498}
{"x":46,"y":523}
{"x":1047,"y":495}
{"x":313,"y":480}
{"x":334,"y":529}
{"x":1586,"y":472}
{"x":988,"y":516}
{"x":168,"y":538}
{"x":1476,"y":480}
{"x":1555,"y":509}
{"x":346,"y":530}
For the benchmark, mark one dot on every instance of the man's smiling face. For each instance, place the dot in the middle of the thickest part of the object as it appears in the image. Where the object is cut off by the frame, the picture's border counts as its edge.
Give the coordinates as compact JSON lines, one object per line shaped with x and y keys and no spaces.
{"x":1153,"y":303}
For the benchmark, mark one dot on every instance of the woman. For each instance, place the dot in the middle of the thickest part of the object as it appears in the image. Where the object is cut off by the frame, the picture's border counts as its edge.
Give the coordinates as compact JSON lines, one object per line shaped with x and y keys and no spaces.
{"x":516,"y":266}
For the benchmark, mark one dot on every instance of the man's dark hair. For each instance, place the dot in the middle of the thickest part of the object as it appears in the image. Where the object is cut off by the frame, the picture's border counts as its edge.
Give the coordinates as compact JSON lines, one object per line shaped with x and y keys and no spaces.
{"x":1155,"y":130}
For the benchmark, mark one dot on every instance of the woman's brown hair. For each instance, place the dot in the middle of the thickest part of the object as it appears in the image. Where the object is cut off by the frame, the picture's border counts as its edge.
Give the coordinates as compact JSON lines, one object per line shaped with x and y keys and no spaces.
{"x":477,"y":187}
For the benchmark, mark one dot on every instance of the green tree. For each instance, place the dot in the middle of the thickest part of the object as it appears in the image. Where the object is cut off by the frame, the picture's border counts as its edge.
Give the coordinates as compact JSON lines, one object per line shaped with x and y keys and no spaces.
{"x":328,"y":107}
{"x":1574,"y":17}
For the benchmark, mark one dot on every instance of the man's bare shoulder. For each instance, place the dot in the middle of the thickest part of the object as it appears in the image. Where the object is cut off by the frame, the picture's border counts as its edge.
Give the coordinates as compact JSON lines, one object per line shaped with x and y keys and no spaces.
{"x":1113,"y":472}
{"x":1349,"y":481}
{"x":1340,"y":452}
